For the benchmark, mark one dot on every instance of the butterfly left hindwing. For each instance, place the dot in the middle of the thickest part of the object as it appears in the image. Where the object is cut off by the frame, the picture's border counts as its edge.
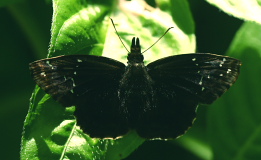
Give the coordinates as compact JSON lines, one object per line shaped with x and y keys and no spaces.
{"x":88,"y":82}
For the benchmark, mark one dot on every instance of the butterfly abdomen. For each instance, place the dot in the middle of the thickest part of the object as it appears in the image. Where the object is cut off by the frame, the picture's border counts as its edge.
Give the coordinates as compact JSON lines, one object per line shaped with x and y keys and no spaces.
{"x":135,"y":92}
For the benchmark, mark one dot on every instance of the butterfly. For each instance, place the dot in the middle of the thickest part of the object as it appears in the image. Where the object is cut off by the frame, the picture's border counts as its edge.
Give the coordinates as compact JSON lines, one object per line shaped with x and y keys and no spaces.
{"x":158,"y":100}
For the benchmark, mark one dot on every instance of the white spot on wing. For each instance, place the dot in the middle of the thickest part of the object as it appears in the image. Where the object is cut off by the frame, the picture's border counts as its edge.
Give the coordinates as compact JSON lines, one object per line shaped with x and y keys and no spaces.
{"x":43,"y":74}
{"x":79,"y":60}
{"x":200,"y":82}
{"x":228,"y":70}
{"x":194,"y":59}
{"x":49,"y":64}
{"x":73,"y":82}
{"x":221,"y":63}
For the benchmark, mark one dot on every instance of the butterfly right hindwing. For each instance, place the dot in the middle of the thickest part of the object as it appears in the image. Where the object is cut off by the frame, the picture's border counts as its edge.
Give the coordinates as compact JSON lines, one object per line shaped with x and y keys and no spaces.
{"x":173,"y":113}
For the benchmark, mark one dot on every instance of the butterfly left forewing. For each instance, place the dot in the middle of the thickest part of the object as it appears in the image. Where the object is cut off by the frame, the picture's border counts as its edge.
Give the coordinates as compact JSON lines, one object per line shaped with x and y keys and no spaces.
{"x":68,"y":77}
{"x":88,"y":82}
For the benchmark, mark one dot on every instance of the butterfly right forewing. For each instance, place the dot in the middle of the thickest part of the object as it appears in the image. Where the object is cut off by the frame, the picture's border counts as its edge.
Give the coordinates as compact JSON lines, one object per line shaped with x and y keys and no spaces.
{"x":205,"y":76}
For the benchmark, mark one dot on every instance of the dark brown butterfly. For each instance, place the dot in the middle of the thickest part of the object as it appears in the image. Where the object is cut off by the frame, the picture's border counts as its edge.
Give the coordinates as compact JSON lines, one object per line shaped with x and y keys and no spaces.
{"x":158,"y":100}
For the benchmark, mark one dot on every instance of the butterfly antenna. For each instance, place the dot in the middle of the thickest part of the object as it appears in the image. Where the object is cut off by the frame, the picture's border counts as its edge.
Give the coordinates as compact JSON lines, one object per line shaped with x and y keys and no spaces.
{"x":158,"y":39}
{"x":119,"y":35}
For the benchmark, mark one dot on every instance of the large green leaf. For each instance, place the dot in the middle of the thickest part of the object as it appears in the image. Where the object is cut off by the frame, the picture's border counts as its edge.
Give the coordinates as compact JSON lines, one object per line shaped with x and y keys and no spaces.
{"x":80,"y":27}
{"x":234,"y":120}
{"x":249,"y":10}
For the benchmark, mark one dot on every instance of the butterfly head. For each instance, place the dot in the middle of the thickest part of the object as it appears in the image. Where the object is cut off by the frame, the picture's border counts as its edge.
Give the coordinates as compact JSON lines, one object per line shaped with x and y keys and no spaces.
{"x":135,"y":55}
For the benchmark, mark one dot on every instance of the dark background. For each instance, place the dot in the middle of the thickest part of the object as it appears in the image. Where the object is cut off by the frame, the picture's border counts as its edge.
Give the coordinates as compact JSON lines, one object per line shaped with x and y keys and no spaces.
{"x":27,"y":24}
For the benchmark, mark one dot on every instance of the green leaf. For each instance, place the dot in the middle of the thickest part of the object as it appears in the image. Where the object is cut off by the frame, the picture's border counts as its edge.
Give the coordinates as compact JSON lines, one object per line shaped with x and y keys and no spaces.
{"x":138,"y":19}
{"x":249,"y":10}
{"x":76,"y":27}
{"x":234,"y":120}
{"x":80,"y":27}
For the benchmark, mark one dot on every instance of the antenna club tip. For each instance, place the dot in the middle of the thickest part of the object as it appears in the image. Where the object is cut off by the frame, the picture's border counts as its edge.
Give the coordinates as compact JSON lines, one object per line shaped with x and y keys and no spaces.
{"x":169,"y":28}
{"x":111,"y":19}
